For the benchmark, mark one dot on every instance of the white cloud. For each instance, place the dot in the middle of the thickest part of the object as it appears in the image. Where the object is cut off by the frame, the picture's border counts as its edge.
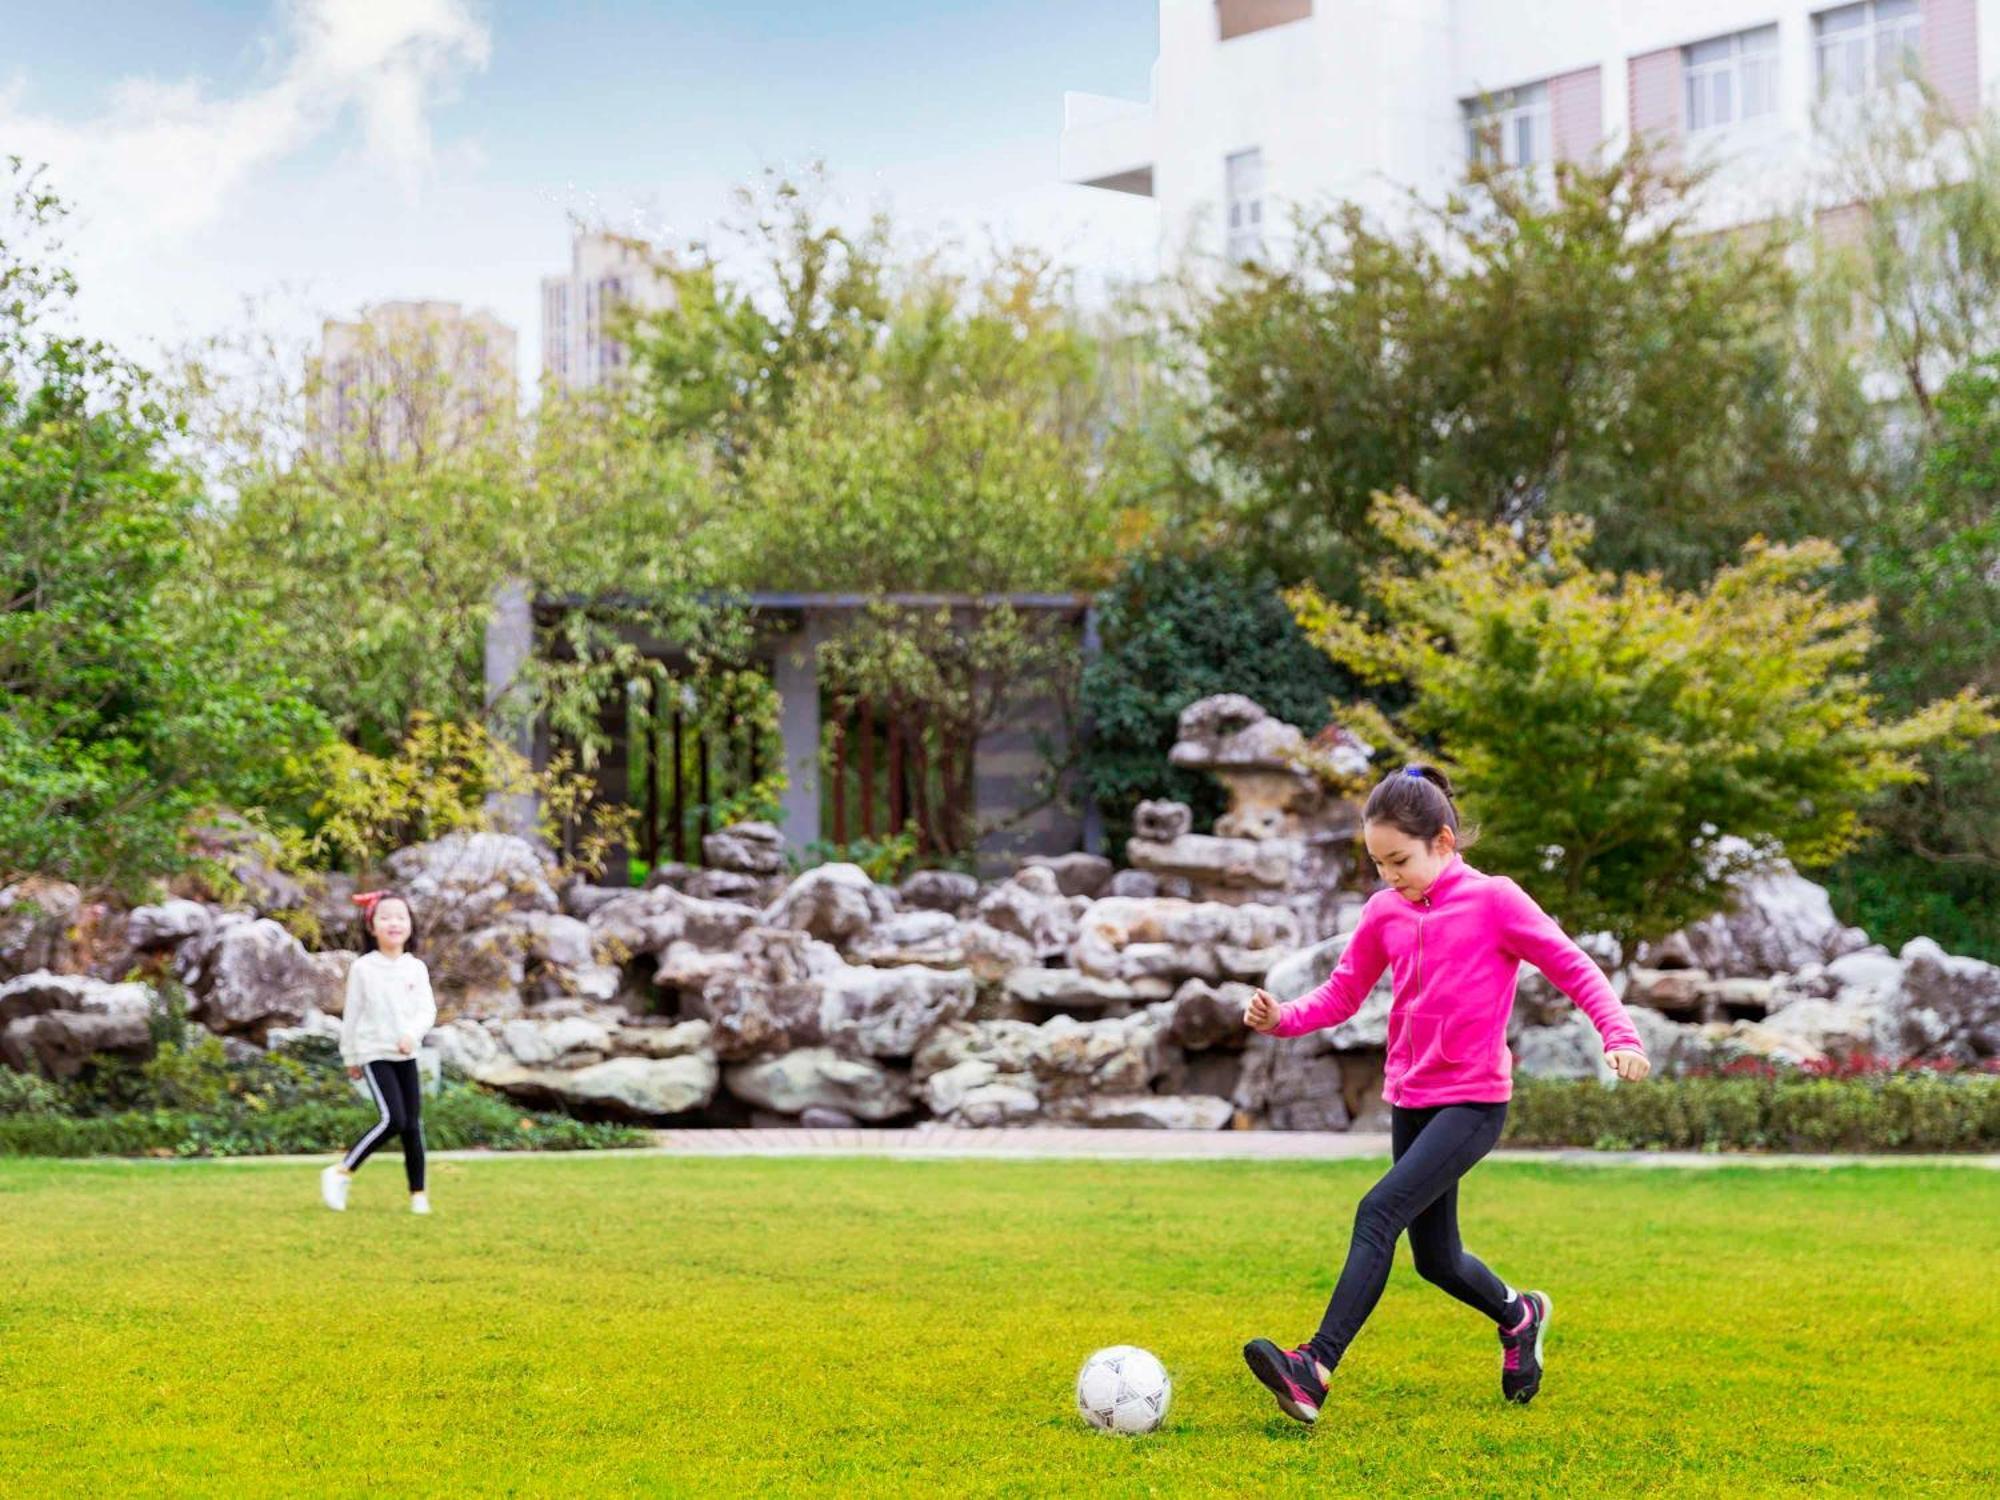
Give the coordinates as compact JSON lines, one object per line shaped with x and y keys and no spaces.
{"x":166,"y":159}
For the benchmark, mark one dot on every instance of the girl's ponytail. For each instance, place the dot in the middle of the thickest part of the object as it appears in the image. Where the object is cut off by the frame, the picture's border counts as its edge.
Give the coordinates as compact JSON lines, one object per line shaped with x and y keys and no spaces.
{"x":1417,"y":800}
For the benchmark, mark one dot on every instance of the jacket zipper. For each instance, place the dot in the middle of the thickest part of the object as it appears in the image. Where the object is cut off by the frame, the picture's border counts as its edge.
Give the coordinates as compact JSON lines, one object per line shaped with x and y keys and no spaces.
{"x":1420,"y":949}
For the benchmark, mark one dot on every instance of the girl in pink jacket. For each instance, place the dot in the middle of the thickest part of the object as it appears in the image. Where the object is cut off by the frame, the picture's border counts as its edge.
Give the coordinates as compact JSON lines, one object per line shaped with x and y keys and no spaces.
{"x":1452,"y":940}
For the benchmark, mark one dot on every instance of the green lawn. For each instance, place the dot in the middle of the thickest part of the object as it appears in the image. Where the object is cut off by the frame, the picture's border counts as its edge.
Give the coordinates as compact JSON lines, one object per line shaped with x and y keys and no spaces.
{"x":597,"y":1326}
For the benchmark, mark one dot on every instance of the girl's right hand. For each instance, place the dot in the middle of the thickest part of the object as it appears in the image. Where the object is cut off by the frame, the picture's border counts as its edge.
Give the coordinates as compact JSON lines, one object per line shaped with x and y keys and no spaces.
{"x":1261,"y":1014}
{"x":353,"y":1072}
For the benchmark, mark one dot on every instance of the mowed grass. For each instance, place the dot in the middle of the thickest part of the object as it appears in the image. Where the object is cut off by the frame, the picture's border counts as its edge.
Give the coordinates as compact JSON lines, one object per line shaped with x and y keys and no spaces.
{"x":597,"y":1325}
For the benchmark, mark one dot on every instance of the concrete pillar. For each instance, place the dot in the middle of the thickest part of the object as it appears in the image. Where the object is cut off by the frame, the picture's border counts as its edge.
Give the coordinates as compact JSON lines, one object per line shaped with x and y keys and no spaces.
{"x":795,"y":675}
{"x":510,"y":649}
{"x":1093,"y":815}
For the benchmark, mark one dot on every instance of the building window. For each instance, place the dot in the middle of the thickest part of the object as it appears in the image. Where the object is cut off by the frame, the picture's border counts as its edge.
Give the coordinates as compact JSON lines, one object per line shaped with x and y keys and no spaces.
{"x":1511,"y":128}
{"x":1236,"y":18}
{"x":1862,"y":47}
{"x":1731,"y":80}
{"x":1243,"y":191}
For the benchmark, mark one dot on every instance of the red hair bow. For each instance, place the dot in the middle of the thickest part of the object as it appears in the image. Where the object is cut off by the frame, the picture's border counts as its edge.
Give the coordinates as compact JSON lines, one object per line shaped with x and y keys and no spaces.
{"x":366,"y":901}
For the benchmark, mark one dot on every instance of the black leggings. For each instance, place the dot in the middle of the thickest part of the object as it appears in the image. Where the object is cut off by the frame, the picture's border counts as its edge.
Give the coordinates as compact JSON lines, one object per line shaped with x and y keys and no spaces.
{"x":1432,"y":1148}
{"x":399,"y":1095}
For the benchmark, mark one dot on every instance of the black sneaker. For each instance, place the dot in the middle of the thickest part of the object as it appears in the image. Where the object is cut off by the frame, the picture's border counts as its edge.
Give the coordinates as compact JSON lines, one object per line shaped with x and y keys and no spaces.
{"x":1292,"y":1375}
{"x":1521,"y":1350}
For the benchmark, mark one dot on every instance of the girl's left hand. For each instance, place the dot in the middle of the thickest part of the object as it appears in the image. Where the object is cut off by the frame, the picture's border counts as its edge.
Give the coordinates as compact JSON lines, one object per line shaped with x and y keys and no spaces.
{"x":405,"y":1046}
{"x":1628,"y":1065}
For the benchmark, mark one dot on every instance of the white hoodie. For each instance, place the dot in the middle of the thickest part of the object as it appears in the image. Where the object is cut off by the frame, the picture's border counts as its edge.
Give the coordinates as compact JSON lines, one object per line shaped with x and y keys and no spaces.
{"x":388,"y":1000}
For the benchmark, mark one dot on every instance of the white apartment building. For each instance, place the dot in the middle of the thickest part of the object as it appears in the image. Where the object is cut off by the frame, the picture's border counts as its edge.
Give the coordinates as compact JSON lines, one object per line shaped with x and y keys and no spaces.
{"x":1261,"y":104}
{"x":607,"y":271}
{"x":409,"y":373}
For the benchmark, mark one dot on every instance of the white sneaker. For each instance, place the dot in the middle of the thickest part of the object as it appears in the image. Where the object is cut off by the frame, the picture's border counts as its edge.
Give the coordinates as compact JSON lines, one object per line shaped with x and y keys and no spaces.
{"x":420,"y":1203}
{"x":333,"y":1189}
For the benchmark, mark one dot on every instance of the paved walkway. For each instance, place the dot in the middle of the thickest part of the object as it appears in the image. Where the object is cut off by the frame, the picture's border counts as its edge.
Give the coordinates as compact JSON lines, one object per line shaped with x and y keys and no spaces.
{"x":1045,"y":1143}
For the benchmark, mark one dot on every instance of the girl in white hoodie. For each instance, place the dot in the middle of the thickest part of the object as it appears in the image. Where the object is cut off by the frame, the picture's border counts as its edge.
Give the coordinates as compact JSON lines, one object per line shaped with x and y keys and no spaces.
{"x":389,"y":1008}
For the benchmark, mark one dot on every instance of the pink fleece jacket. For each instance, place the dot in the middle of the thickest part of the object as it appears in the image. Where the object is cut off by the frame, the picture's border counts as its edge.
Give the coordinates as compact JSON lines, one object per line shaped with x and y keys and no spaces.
{"x":1453,"y":955}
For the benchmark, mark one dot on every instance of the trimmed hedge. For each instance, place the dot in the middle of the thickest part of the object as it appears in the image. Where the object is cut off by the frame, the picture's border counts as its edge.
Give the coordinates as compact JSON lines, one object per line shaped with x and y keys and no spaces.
{"x":190,"y":1101}
{"x":1777,"y":1111}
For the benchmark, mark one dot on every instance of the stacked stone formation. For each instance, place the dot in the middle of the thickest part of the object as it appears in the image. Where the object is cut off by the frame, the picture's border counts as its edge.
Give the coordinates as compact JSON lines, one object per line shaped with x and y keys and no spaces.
{"x":1066,"y":993}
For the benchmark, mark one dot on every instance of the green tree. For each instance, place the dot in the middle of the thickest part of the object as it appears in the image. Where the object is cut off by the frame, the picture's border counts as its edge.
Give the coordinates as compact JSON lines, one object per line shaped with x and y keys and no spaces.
{"x":1934,"y":563}
{"x":1610,"y":730}
{"x":1531,"y":347}
{"x":867,"y":424}
{"x":1910,"y":283}
{"x":130,"y":698}
{"x":1176,"y":629}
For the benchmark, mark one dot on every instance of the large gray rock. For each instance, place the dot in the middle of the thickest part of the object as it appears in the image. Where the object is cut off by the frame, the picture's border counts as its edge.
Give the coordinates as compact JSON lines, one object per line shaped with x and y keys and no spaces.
{"x":1076,"y":874}
{"x":317,"y":1026}
{"x":1207,"y":1015}
{"x":1067,"y":989}
{"x":1146,"y":1111}
{"x":1126,"y":939}
{"x":1778,"y":922}
{"x":819,"y":1077}
{"x":976,"y":1093}
{"x":1950,"y":1004}
{"x":153,"y":929}
{"x":54,"y":1023}
{"x":832,"y":902}
{"x":1230,"y":730}
{"x":469,"y":1047}
{"x":37,"y":916}
{"x":1759,"y":1039}
{"x":557,"y":941}
{"x":480,"y":972}
{"x":746,"y":848}
{"x":639,"y":1088}
{"x":1672,"y":1047}
{"x":1032,"y":907}
{"x":329,"y":988}
{"x":1141,"y":885}
{"x":888,"y":1012}
{"x":1835,"y":1028}
{"x":682,"y":1039}
{"x":41,"y":992}
{"x":1261,"y":864}
{"x":1122,"y":1055}
{"x":940,"y":941}
{"x":733,"y":885}
{"x":1680,"y":992}
{"x":1293,"y":1084}
{"x":1008,"y":1045}
{"x":751,"y":1016}
{"x":245,"y":974}
{"x":467,"y":880}
{"x":939,"y":890}
{"x":650,"y":921}
{"x":1569,"y":1049}
{"x":1161,"y":822}
{"x":537,"y":1043}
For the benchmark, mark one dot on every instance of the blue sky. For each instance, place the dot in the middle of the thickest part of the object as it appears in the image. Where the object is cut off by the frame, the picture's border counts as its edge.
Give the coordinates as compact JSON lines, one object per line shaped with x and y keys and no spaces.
{"x":317,"y":154}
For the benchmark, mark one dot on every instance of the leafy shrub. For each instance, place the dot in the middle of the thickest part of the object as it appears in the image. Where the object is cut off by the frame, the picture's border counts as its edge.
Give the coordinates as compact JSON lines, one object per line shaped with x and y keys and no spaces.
{"x":1766,"y":1109}
{"x":190,"y":1100}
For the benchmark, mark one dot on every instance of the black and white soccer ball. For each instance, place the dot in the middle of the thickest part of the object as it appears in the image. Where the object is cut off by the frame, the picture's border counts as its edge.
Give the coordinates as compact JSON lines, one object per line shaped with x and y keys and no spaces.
{"x":1123,"y":1389}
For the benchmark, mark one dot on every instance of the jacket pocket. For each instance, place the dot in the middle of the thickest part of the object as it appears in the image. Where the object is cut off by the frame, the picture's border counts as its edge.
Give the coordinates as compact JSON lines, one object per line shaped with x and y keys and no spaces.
{"x":1464,"y":1038}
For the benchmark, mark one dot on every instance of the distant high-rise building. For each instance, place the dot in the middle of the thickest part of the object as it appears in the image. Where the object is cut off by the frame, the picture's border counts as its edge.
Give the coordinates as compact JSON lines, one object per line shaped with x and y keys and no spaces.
{"x":409,"y":378}
{"x":607,"y":272}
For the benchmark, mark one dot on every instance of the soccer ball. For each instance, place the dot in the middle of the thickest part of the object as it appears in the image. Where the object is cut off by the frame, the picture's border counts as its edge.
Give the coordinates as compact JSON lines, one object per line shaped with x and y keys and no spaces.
{"x":1123,"y":1389}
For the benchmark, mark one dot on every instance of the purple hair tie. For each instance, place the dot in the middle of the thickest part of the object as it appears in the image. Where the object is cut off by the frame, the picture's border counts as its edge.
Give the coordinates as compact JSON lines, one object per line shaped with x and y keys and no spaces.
{"x":1415,"y":773}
